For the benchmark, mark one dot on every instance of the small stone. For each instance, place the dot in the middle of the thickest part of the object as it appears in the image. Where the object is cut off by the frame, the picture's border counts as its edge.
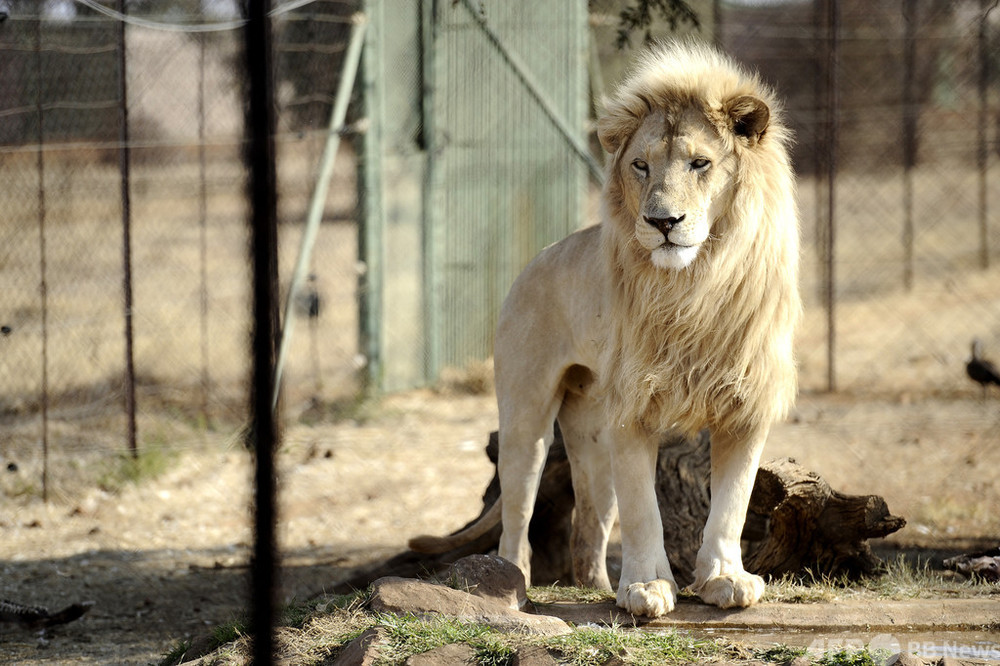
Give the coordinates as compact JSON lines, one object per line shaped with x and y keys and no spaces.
{"x":533,"y":655}
{"x":905,"y":659}
{"x":422,"y":598}
{"x":489,"y":577}
{"x":362,"y":651}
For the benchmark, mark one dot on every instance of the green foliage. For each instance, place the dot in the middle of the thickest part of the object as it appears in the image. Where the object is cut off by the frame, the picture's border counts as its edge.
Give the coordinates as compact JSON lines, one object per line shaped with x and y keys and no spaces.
{"x":550,"y":594}
{"x":409,"y":635}
{"x":333,"y":602}
{"x":236,"y":628}
{"x":176,"y":654}
{"x":593,"y":646}
{"x":641,"y":15}
{"x":779,"y":654}
{"x":848,"y":657}
{"x":125,"y":469}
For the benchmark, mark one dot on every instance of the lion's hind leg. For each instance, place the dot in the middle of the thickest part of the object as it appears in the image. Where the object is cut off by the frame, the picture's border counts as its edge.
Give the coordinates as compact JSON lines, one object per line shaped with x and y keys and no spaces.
{"x":582,"y":422}
{"x":524,"y":437}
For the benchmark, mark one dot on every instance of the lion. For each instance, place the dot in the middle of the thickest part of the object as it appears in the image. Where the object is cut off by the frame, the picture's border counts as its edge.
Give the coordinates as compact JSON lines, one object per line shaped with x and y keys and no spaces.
{"x":674,"y":313}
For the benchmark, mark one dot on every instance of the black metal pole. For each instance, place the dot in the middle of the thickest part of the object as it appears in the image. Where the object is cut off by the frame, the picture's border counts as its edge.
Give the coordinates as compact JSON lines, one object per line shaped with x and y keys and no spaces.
{"x":124,"y":164}
{"x":262,"y":193}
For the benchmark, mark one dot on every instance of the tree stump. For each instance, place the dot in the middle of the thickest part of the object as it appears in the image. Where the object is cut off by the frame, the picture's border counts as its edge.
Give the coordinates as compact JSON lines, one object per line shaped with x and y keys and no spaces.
{"x":795,"y":522}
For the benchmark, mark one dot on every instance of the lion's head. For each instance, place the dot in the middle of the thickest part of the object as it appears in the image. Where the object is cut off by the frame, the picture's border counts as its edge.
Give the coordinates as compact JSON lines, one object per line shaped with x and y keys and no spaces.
{"x":700,"y":235}
{"x":677,"y":134}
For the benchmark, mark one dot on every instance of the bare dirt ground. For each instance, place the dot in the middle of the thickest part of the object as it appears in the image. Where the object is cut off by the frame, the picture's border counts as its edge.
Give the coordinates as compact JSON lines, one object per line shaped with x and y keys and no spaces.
{"x":166,"y":559}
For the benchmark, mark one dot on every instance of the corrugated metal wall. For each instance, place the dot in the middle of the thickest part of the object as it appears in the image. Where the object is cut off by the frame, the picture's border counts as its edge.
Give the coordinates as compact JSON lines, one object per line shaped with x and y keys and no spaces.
{"x":470,"y":168}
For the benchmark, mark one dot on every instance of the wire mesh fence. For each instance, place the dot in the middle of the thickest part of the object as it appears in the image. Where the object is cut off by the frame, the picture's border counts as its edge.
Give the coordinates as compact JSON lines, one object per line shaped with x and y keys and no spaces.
{"x":915,"y":213}
{"x":123,"y":245}
{"x":82,"y":229}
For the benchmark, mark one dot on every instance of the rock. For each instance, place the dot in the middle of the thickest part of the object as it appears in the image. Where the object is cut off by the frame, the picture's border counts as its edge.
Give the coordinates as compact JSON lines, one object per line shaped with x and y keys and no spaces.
{"x":362,"y":651}
{"x":422,"y":598}
{"x":984,"y":566}
{"x":906,"y":659}
{"x":489,"y":577}
{"x":533,"y":655}
{"x":454,"y":654}
{"x":199,"y":647}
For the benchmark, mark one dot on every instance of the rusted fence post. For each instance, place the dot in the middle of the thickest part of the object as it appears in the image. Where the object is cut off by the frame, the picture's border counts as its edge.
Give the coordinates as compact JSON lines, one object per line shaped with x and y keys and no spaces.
{"x":832,"y":60}
{"x":982,"y":153}
{"x":43,"y":289}
{"x":909,"y":126}
{"x":124,"y":164}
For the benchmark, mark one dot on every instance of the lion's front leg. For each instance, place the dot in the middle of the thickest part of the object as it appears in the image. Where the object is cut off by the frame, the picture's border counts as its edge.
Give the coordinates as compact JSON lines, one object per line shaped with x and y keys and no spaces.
{"x":719,"y":575}
{"x":647,"y":585}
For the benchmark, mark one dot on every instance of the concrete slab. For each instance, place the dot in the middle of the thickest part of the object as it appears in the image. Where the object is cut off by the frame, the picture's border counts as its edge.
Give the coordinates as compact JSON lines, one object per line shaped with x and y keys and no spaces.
{"x":911,"y":615}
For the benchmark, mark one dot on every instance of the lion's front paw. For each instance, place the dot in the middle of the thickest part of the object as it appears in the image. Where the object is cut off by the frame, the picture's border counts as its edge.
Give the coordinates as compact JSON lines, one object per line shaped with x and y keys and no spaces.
{"x":735,"y":590}
{"x":652,"y":599}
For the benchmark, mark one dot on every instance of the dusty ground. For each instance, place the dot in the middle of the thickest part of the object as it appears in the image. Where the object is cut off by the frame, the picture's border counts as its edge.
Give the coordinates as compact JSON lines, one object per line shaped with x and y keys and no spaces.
{"x":166,"y":559}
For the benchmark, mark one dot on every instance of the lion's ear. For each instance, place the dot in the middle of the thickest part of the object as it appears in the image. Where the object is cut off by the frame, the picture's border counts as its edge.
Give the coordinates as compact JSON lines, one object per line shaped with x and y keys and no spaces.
{"x":748,"y":117}
{"x":614,"y":129}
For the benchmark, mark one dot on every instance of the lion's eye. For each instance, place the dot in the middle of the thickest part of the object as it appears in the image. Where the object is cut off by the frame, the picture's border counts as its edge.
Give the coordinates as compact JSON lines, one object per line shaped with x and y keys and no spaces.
{"x":640,"y":167}
{"x":700,"y":163}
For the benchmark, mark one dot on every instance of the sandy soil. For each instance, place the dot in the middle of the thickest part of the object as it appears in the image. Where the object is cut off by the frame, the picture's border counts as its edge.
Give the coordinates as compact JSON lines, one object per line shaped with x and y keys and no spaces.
{"x":166,"y":559}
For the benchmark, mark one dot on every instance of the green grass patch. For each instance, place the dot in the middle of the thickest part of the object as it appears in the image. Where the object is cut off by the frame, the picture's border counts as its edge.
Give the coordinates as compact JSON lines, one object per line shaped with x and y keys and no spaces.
{"x":176,"y":653}
{"x":148,"y":463}
{"x":550,"y":594}
{"x":409,"y":635}
{"x":592,"y":646}
{"x":314,"y":630}
{"x":849,"y":657}
{"x":778,"y":654}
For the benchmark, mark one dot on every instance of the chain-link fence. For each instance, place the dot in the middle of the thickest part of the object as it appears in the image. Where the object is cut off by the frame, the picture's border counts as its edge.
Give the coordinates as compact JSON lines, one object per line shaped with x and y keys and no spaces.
{"x":901,"y":99}
{"x":123,"y":241}
{"x":125,"y":308}
{"x":123,"y":244}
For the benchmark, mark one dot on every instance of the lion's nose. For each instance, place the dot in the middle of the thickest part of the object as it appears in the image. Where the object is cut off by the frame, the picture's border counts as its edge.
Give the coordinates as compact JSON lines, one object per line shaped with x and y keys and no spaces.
{"x":664,"y":224}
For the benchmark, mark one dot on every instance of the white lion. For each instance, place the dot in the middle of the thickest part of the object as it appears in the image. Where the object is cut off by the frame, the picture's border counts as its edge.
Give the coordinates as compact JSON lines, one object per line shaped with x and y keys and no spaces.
{"x":675,"y":313}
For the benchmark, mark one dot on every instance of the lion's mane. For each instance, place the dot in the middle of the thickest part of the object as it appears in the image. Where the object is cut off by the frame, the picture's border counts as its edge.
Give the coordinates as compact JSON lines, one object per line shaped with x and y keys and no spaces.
{"x":708,"y":345}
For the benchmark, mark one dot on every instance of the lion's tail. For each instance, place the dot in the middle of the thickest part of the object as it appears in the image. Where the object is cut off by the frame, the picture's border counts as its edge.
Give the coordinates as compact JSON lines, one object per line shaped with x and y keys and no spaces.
{"x":435,"y":545}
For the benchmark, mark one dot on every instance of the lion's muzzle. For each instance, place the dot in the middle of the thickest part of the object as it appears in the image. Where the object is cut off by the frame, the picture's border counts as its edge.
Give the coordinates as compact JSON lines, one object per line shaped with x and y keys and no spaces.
{"x":664,"y":224}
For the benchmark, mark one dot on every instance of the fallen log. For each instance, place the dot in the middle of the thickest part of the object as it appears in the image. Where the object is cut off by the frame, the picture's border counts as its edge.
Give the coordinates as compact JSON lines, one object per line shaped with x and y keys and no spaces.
{"x":983,"y":566}
{"x":39,"y":617}
{"x":796,"y":521}
{"x":810,"y":526}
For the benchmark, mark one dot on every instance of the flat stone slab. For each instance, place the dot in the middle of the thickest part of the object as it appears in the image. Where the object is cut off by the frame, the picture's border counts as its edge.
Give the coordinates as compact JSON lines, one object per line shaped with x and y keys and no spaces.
{"x":421,"y":598}
{"x":869,"y":614}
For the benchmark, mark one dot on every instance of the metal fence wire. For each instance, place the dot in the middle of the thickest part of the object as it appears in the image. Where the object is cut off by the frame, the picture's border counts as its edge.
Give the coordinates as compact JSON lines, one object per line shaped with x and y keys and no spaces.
{"x":90,"y":218}
{"x":124,"y":202}
{"x":465,"y":144}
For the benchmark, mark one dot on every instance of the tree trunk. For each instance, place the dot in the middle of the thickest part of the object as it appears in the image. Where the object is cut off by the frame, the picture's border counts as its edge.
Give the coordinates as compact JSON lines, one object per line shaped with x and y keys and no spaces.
{"x":795,"y":520}
{"x":808,"y":525}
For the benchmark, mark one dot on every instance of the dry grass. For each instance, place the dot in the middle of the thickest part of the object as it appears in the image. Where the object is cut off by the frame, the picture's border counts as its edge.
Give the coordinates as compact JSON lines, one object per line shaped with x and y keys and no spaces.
{"x":901,"y":579}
